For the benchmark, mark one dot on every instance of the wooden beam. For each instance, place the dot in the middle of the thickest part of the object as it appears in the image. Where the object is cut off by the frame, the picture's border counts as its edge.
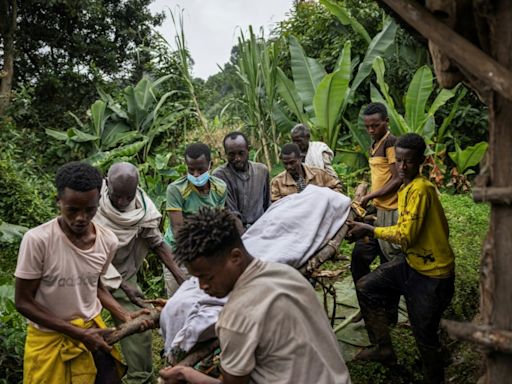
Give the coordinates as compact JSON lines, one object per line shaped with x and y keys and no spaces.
{"x":457,"y":48}
{"x":495,"y":195}
{"x":483,"y":335}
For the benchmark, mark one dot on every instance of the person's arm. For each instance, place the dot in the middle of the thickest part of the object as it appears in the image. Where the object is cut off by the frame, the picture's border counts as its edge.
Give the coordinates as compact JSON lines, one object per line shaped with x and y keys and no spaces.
{"x":25,"y":293}
{"x":178,"y":374}
{"x":410,"y":221}
{"x":359,"y":230}
{"x":111,"y":304}
{"x":327,"y":158}
{"x":275,"y":193}
{"x":266,"y":192}
{"x":390,"y":187}
{"x":332,"y":182}
{"x":164,"y":252}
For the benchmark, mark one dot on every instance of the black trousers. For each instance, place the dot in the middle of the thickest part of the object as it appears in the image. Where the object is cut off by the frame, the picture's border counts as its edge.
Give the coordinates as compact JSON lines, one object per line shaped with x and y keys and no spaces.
{"x":363,"y":255}
{"x":426,"y":297}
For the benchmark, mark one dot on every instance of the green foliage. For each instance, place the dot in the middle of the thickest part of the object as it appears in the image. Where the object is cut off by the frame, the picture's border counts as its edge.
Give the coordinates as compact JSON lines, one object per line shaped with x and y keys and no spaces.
{"x":468,"y":223}
{"x":319,"y":99}
{"x":257,"y":67}
{"x":24,"y":196}
{"x":12,"y":338}
{"x":126,"y":129}
{"x":418,"y":118}
{"x":468,"y":157}
{"x":345,"y":18}
{"x":65,"y":48}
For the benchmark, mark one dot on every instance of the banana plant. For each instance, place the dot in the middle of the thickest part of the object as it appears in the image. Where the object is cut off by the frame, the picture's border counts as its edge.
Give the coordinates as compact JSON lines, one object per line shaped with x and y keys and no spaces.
{"x":468,"y":157}
{"x":113,"y":131}
{"x":345,"y":18}
{"x":464,"y":159}
{"x":319,"y":99}
{"x":418,"y":118}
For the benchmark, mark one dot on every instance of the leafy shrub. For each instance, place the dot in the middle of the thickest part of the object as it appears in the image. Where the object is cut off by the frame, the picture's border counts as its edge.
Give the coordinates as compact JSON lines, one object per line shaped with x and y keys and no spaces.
{"x":26,"y":200}
{"x":468,"y":225}
{"x":12,"y":338}
{"x":24,"y":197}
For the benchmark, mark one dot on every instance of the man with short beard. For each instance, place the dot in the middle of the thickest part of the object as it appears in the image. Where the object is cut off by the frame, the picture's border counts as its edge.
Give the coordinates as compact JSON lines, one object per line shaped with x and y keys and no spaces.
{"x":247,"y":181}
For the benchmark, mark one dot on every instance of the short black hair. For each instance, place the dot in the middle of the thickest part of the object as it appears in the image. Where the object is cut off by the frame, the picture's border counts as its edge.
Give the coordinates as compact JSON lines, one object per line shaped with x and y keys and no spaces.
{"x":233,"y":136}
{"x":412,"y":141}
{"x":290,"y":148}
{"x":301,"y":129}
{"x":196,"y":150}
{"x":78,"y":176}
{"x":206,"y":234}
{"x":373,"y":108}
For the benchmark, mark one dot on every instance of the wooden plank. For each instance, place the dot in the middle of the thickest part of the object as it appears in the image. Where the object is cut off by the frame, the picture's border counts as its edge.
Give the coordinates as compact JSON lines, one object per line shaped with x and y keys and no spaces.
{"x":464,"y":53}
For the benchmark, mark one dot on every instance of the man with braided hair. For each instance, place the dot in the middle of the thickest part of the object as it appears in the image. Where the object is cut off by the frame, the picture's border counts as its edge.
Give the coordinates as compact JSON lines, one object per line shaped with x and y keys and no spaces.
{"x":272,"y":328}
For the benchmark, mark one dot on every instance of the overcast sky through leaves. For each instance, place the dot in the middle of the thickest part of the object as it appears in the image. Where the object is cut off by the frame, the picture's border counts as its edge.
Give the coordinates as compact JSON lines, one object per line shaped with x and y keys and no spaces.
{"x":212,"y":26}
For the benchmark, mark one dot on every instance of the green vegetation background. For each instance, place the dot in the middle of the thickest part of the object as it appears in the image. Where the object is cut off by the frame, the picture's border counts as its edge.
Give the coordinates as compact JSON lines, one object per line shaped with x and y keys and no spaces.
{"x":56,"y":92}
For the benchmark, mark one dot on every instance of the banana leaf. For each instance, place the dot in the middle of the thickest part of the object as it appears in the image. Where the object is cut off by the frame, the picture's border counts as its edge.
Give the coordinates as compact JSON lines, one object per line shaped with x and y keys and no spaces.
{"x":378,"y":46}
{"x":288,"y":93}
{"x":346,"y":18}
{"x":59,"y":135}
{"x":416,"y":98}
{"x":11,"y":233}
{"x":398,"y":125}
{"x":330,"y":99}
{"x":469,"y":156}
{"x":448,"y":119}
{"x":307,"y":73}
{"x":98,"y":117}
{"x":327,"y":103}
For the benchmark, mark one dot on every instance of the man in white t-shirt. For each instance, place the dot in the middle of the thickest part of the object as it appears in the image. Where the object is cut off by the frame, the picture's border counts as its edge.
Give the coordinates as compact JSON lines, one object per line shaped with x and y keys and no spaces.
{"x":272,"y":329}
{"x":58,"y":287}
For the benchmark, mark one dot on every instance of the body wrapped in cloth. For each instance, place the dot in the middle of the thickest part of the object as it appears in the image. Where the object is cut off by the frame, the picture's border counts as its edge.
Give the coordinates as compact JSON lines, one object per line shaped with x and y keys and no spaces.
{"x":289,"y":232}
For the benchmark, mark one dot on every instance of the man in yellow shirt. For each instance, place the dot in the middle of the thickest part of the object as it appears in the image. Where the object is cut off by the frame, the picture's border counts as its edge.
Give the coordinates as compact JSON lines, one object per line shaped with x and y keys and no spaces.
{"x":425,"y":277}
{"x":385,"y":184}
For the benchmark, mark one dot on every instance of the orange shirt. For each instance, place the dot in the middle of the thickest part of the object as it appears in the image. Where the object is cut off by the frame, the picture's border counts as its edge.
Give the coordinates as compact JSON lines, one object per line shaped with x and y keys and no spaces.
{"x":382,"y":156}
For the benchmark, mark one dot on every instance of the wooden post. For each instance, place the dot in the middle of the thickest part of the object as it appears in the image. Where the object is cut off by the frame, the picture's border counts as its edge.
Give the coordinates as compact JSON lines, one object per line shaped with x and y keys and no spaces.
{"x":496,"y":287}
{"x":493,"y":67}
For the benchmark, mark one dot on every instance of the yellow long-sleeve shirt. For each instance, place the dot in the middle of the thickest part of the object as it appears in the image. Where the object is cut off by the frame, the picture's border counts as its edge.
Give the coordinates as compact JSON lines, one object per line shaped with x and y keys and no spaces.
{"x":421,"y":230}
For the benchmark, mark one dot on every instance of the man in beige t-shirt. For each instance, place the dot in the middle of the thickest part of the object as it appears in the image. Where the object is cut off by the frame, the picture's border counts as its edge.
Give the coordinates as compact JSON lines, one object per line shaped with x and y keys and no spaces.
{"x":273,"y":328}
{"x":58,"y":287}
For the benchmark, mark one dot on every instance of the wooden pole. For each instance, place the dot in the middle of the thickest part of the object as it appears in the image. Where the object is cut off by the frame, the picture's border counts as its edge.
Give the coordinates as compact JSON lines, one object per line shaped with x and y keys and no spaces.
{"x":131,"y":327}
{"x":466,"y":55}
{"x":496,"y":263}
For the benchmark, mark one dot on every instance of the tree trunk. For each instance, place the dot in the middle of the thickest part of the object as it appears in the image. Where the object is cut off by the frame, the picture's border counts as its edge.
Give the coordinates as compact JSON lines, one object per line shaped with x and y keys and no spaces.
{"x":8,"y":27}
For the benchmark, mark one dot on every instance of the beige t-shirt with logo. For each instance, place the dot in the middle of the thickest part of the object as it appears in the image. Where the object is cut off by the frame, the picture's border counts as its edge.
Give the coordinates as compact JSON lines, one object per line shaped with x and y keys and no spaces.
{"x":69,"y":275}
{"x":274,"y":329}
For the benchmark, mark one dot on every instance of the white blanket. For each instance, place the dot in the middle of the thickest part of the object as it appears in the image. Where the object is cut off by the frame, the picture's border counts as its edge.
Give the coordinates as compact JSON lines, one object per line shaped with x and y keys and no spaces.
{"x":290,"y":232}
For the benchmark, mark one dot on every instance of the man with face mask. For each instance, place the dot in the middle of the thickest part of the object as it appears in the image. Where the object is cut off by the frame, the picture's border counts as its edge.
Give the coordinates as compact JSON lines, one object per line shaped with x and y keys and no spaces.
{"x":187,"y":194}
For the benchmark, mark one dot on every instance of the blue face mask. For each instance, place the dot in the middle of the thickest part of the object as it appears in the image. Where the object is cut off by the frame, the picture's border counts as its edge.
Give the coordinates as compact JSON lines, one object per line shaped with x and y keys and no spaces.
{"x":200,"y":180}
